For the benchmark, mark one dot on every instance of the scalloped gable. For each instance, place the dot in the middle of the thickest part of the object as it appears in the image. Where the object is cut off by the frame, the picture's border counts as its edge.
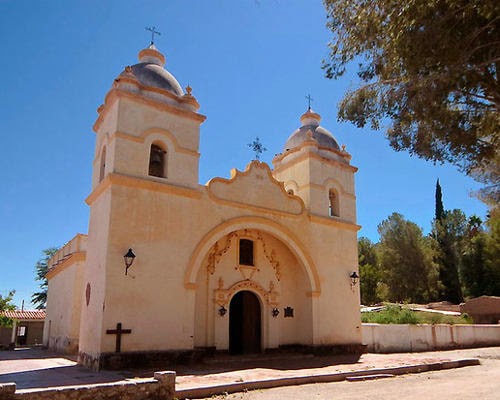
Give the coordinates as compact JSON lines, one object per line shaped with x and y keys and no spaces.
{"x":256,"y":187}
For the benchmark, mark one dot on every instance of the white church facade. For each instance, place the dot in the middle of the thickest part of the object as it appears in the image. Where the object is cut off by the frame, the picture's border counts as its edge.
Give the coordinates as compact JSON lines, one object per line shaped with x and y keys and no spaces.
{"x":262,"y":261}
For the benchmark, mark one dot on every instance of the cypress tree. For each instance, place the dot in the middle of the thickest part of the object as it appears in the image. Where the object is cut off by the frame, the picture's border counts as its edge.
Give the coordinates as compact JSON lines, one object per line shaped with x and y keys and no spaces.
{"x":446,"y":232}
{"x":439,"y":202}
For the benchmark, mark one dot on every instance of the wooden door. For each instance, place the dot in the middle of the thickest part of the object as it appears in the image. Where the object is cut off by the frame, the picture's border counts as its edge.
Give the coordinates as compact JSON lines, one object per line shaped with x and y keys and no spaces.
{"x":244,"y":324}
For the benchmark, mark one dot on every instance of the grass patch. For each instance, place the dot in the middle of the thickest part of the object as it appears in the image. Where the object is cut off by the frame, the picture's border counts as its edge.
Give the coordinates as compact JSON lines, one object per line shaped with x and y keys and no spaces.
{"x":396,"y":314}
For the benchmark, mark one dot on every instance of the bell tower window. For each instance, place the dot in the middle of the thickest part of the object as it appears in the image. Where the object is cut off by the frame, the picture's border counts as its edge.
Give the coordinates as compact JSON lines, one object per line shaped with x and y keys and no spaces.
{"x":102,"y":166}
{"x":246,"y":252}
{"x":157,"y":161}
{"x":333,"y":203}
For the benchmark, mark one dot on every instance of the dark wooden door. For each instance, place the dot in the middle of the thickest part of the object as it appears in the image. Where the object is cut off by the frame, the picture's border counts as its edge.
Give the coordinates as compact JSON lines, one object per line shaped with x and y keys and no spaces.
{"x":22,"y":335}
{"x":244,"y":324}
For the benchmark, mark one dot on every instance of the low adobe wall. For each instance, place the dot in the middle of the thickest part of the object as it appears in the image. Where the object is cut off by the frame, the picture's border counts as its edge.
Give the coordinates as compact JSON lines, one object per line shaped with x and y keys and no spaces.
{"x":162,"y":386}
{"x":393,"y":338}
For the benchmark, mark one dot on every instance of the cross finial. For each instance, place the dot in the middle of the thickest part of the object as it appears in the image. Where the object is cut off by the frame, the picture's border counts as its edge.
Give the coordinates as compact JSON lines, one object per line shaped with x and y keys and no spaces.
{"x":309,"y":99}
{"x":257,"y":147}
{"x":153,"y":31}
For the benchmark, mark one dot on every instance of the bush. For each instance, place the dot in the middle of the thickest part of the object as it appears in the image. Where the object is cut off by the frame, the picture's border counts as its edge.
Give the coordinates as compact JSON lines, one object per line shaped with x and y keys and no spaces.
{"x":396,"y":314}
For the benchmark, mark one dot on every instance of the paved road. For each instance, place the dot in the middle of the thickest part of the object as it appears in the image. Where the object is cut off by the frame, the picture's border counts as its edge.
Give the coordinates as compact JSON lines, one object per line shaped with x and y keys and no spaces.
{"x":475,"y":383}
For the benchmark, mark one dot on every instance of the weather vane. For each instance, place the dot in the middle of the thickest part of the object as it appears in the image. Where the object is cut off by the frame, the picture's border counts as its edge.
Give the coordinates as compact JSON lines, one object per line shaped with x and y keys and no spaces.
{"x":153,"y":32}
{"x":309,"y":99}
{"x":257,"y":147}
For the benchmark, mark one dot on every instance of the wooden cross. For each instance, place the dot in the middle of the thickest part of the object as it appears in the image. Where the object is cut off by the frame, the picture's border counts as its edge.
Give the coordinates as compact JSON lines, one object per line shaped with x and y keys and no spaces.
{"x":118,"y":332}
{"x":153,"y":31}
{"x":309,"y":99}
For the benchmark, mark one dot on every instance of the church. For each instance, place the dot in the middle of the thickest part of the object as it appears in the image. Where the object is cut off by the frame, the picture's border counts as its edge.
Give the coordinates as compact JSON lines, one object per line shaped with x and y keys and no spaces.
{"x":172,"y":269}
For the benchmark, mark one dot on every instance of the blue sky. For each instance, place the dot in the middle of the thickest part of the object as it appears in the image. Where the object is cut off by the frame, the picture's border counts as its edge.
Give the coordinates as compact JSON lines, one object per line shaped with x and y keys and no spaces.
{"x":250,"y":63}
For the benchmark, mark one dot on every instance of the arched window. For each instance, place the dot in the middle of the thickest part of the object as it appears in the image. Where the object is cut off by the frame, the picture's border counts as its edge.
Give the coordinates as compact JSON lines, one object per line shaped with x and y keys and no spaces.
{"x":102,"y":166}
{"x":157,"y":161}
{"x":246,"y":252}
{"x":333,"y":203}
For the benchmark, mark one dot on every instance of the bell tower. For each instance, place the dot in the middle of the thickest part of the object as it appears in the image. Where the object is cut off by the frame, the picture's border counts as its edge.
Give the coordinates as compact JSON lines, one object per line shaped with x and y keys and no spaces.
{"x":314,"y":167}
{"x":148,"y":127}
{"x":146,"y":160}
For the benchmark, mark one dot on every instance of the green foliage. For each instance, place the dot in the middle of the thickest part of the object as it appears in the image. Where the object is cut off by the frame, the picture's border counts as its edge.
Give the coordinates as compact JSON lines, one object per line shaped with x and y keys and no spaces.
{"x":396,"y":314}
{"x":450,"y":232}
{"x":430,"y":70}
{"x":368,"y":271}
{"x":391,"y":314}
{"x":6,"y":304}
{"x":480,"y":271}
{"x":439,"y":202}
{"x":39,"y":299}
{"x":407,"y":261}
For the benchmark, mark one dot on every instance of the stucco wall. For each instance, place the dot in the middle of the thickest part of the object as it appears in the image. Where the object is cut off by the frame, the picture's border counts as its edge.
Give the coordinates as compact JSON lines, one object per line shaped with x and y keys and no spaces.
{"x":161,"y":387}
{"x":394,"y":338}
{"x":64,"y":298}
{"x":5,"y":336}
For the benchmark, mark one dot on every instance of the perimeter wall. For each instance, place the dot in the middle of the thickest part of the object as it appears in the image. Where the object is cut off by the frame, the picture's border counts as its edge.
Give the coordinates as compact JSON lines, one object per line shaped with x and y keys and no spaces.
{"x":393,"y":338}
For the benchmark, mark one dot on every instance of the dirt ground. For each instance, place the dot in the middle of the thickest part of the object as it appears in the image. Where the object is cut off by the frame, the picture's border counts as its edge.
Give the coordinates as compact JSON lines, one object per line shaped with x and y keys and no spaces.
{"x":480,"y":382}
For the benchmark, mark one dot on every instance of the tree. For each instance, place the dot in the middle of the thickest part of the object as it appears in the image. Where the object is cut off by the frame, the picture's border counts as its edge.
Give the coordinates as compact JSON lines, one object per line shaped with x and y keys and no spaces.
{"x":430,"y":70}
{"x":439,"y":202}
{"x":407,"y":261}
{"x":369,"y":272}
{"x":39,"y":299}
{"x":6,"y":304}
{"x":450,"y":233}
{"x":481,"y":260}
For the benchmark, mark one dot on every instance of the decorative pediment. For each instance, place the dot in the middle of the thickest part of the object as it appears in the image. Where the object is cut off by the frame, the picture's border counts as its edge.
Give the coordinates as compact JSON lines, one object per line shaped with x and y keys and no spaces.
{"x":255,"y":187}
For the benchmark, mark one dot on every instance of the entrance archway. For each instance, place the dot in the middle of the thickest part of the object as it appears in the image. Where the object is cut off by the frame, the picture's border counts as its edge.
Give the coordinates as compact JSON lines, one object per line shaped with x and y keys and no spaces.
{"x":244,"y":323}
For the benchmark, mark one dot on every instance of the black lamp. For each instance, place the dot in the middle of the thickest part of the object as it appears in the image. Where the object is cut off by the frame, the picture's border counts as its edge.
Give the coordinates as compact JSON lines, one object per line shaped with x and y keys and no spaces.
{"x":129,"y":259}
{"x":222,"y":311}
{"x":354,"y":278}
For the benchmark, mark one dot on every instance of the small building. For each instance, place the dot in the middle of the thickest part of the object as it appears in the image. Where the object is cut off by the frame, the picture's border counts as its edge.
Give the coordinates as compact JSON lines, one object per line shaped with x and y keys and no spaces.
{"x":483,"y":309}
{"x":27,"y":329}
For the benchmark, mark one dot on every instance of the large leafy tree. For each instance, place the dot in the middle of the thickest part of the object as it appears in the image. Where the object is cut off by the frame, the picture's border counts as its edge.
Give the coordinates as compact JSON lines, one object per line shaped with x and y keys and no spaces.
{"x":429,"y":71}
{"x":369,"y":271}
{"x":6,"y":304}
{"x":39,"y":299}
{"x":480,"y":271}
{"x":407,"y":261}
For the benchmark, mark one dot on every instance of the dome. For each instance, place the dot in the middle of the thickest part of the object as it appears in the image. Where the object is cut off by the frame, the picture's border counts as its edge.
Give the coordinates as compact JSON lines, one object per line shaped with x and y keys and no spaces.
{"x":150,"y":71}
{"x":311,"y":130}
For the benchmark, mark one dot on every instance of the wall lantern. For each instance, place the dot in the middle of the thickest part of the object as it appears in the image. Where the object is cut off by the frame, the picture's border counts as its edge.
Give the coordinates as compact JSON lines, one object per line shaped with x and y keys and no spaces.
{"x":222,"y":311}
{"x":129,"y":259}
{"x":354,"y":278}
{"x":275,"y":312}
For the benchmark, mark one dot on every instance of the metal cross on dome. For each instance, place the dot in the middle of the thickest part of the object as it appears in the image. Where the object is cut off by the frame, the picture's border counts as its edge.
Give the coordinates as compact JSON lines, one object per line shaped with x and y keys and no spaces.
{"x":153,"y":31}
{"x":257,"y":147}
{"x":309,"y":99}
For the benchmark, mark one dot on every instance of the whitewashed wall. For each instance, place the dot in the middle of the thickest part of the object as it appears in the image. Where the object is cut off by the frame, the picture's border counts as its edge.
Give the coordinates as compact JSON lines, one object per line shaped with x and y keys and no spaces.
{"x":394,"y":338}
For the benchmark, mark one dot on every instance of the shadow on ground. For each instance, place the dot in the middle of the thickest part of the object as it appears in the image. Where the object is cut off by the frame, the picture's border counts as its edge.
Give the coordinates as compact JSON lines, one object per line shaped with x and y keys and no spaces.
{"x":36,"y":368}
{"x":227,"y":363}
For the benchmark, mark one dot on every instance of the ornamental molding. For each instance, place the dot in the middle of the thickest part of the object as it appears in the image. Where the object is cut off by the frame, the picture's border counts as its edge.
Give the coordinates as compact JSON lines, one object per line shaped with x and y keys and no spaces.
{"x":222,"y":296}
{"x":222,"y":246}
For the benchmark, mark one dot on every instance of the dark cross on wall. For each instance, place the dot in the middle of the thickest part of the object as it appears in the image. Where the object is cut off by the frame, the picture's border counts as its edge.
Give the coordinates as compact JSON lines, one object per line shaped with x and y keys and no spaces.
{"x":257,"y":147}
{"x":118,"y":332}
{"x":153,"y":31}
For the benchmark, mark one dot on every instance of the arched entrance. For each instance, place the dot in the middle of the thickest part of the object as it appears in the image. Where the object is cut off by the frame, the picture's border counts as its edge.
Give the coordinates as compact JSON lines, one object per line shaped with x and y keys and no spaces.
{"x":244,"y":323}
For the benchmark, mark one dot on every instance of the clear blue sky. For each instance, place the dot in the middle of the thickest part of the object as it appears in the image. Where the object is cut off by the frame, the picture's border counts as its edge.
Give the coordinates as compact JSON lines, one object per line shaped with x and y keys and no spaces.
{"x":250,"y":63}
